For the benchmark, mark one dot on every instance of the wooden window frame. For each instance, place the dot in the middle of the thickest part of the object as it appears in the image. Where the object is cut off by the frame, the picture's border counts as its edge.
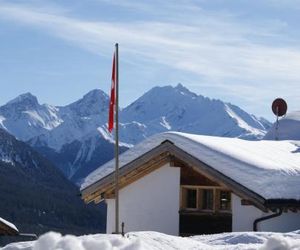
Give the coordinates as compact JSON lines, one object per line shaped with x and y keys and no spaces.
{"x":219,"y":200}
{"x":216,"y":199}
{"x":183,"y":199}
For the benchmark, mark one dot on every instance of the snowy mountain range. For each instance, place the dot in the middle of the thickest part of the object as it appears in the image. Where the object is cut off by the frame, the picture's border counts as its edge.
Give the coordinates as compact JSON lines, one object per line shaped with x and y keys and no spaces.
{"x":76,"y":139}
{"x":25,"y":118}
{"x":176,"y":108}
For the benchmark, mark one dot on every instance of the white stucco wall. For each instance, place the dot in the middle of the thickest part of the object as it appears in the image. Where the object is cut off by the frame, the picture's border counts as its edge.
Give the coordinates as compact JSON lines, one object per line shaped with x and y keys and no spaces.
{"x":150,"y":203}
{"x":244,"y":216}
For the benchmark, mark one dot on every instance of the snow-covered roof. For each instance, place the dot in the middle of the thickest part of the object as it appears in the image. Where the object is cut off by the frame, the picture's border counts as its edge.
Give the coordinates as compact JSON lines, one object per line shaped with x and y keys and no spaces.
{"x":271,"y":169}
{"x":9,"y":224}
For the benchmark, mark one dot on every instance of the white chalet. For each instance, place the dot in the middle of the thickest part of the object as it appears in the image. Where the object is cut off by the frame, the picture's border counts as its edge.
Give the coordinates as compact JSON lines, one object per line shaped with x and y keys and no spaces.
{"x":185,"y":184}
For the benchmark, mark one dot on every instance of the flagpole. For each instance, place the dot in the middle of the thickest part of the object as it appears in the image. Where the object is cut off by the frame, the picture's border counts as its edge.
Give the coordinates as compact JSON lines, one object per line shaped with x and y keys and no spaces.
{"x":117,"y":141}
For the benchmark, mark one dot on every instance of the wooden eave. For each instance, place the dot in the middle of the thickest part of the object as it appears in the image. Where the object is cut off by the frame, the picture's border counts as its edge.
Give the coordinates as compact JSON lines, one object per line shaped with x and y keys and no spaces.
{"x":130,"y":172}
{"x":155,"y":158}
{"x":285,"y":204}
{"x":6,"y":230}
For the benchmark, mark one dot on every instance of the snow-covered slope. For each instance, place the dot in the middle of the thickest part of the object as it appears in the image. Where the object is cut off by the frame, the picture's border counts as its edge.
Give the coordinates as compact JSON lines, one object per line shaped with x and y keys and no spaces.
{"x":176,"y":108}
{"x":78,"y":119}
{"x":25,"y":118}
{"x":159,"y":241}
{"x":83,"y":155}
{"x":81,"y":142}
{"x":36,"y":197}
{"x":288,"y":128}
{"x":16,"y":153}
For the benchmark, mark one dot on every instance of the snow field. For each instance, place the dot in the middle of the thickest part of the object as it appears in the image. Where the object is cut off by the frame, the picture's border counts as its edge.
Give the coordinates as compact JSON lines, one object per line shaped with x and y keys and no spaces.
{"x":159,"y":241}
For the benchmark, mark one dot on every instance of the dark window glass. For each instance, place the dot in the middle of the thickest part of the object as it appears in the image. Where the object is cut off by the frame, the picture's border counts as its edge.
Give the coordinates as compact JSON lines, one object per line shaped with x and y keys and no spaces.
{"x":191,"y":198}
{"x":207,"y":199}
{"x":225,"y":200}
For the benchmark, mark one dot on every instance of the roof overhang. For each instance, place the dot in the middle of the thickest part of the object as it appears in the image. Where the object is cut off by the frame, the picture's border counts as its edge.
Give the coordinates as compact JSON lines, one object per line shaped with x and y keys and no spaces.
{"x":7,"y":230}
{"x":99,"y":190}
{"x":163,"y":153}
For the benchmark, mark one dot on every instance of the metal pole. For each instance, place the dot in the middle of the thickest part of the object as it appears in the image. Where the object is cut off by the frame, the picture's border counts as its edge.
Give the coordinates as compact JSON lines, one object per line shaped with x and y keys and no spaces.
{"x":277,"y":124}
{"x":117,"y":141}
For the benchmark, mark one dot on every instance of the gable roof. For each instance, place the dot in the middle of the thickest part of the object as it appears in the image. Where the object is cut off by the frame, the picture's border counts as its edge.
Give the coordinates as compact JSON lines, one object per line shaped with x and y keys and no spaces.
{"x":7,"y":228}
{"x":268,"y":169}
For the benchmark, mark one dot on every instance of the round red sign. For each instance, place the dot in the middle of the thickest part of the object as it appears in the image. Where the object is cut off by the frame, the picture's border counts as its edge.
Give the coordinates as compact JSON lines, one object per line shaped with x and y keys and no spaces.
{"x":279,"y":107}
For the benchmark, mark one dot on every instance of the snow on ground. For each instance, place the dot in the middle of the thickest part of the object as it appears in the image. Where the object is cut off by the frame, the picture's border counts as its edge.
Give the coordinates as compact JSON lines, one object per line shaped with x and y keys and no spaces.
{"x":252,"y":240}
{"x":159,"y":241}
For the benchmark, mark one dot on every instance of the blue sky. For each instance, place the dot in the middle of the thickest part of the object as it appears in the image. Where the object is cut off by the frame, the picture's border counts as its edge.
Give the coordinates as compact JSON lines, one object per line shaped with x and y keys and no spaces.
{"x":243,"y":52}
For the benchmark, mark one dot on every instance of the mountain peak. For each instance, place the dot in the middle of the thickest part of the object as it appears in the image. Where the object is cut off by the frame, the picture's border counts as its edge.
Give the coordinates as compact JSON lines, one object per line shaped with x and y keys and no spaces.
{"x":92,"y":97}
{"x":169,"y":89}
{"x":183,"y":90}
{"x":169,"y":92}
{"x":181,"y":87}
{"x":95,"y":94}
{"x":94,"y":102}
{"x":26,"y":99}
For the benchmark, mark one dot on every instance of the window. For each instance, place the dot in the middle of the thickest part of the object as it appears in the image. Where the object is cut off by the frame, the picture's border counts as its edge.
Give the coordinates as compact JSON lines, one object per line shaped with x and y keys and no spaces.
{"x":191,"y":198}
{"x":225,"y":200}
{"x":207,"y":201}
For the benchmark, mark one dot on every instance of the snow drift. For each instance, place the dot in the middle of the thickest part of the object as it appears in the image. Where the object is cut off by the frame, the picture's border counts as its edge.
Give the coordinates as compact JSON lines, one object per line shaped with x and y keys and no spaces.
{"x":158,"y":241}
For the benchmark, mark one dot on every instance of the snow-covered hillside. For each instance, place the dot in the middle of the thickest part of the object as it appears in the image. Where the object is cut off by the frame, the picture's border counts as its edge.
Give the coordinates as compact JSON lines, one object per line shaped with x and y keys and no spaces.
{"x":16,"y":153}
{"x":288,"y":128}
{"x":25,"y":118}
{"x":36,"y":197}
{"x":69,"y":135}
{"x":158,"y":241}
{"x":78,"y":119}
{"x":76,"y":136}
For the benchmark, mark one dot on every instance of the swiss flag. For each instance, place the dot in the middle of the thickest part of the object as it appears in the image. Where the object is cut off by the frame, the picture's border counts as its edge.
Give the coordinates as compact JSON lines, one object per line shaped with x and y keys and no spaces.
{"x":112,"y":96}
